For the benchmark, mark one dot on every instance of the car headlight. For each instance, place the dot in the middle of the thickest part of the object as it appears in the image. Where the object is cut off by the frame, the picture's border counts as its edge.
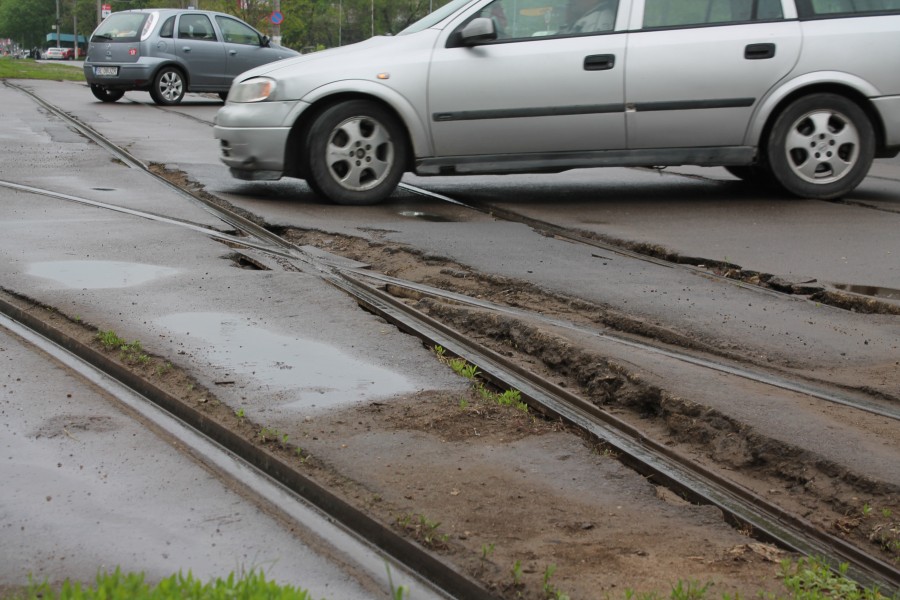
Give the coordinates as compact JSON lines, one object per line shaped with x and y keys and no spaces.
{"x":253,"y":90}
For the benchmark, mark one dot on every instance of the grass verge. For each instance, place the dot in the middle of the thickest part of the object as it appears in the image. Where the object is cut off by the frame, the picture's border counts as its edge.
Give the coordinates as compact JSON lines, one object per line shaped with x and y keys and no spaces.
{"x":13,"y":68}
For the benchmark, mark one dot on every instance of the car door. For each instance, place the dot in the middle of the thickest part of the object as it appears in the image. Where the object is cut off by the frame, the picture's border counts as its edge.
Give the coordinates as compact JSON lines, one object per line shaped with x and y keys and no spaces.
{"x":201,"y":51}
{"x":536,"y":89}
{"x":697,"y":69}
{"x":243,"y":47}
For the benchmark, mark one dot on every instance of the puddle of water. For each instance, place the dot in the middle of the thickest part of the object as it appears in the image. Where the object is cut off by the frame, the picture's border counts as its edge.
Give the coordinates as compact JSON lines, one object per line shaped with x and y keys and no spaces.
{"x":414,"y":214}
{"x":98,"y":274}
{"x":321,"y":375}
{"x":870,"y":290}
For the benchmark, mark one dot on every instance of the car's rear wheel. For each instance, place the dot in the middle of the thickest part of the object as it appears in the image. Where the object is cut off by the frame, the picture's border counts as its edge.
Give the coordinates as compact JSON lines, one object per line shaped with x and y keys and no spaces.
{"x":821,"y":146}
{"x":106,"y":95}
{"x":356,"y":153}
{"x":168,"y":86}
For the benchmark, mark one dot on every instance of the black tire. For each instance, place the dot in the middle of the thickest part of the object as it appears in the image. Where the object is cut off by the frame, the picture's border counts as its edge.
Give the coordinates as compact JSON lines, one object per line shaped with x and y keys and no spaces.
{"x":168,"y":86}
{"x":356,"y":153}
{"x":755,"y":175}
{"x":821,"y":146}
{"x":105,"y":95}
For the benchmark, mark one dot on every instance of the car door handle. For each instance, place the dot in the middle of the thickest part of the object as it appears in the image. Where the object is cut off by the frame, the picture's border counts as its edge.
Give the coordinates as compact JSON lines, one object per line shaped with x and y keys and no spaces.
{"x":759,"y":51}
{"x":185,"y":48}
{"x":599,"y":62}
{"x":232,"y":52}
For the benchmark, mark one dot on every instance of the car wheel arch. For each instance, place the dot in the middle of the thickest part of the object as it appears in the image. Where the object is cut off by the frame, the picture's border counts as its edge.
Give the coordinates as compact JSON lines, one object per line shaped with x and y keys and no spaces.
{"x":294,"y":148}
{"x":775,"y":103}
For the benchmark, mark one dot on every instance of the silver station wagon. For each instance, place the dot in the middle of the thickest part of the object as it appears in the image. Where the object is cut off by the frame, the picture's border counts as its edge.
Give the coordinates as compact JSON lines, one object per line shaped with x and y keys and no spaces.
{"x":799,"y":93}
{"x":170,"y":51}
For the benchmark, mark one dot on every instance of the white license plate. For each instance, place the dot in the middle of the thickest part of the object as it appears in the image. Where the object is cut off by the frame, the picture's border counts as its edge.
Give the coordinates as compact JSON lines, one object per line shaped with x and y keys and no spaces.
{"x":106,"y":71}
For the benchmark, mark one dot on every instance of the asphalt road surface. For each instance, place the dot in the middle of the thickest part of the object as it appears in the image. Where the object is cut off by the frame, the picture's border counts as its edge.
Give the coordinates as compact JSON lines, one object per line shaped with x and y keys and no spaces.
{"x":93,"y":263}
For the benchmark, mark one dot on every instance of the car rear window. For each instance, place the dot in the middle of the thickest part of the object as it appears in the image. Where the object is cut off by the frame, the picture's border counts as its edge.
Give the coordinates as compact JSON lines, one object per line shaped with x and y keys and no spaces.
{"x":120,"y":27}
{"x":828,"y":8}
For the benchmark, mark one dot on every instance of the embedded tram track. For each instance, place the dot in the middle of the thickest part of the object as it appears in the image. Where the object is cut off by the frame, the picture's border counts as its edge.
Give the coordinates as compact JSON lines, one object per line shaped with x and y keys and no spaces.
{"x":651,"y":458}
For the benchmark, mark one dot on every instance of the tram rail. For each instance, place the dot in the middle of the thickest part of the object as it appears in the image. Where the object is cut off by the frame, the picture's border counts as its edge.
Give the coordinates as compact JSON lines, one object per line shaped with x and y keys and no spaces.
{"x":647,"y":456}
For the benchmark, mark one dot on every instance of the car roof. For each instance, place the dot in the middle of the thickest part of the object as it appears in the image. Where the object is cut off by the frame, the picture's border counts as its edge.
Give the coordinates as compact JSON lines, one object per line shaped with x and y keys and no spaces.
{"x":173,"y":11}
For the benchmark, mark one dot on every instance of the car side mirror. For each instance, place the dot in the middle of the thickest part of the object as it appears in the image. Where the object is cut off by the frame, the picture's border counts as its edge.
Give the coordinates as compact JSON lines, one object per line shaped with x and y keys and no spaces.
{"x":265,"y":41}
{"x":478,"y":31}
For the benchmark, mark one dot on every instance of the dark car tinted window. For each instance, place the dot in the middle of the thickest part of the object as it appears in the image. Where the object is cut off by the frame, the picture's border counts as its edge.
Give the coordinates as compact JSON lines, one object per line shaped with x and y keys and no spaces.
{"x":675,"y":13}
{"x":168,"y":28}
{"x":196,"y":27}
{"x":120,"y":27}
{"x":825,"y":8}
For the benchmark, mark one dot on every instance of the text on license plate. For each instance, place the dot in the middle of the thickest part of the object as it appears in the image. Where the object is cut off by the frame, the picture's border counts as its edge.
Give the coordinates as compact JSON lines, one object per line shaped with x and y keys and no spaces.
{"x":106,"y":71}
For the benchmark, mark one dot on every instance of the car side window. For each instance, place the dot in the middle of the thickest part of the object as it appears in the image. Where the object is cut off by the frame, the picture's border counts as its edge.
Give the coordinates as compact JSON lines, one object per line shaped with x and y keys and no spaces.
{"x":518,"y":20}
{"x":678,"y":13}
{"x":168,"y":28}
{"x":236,"y":32}
{"x":826,"y":8}
{"x":196,"y":27}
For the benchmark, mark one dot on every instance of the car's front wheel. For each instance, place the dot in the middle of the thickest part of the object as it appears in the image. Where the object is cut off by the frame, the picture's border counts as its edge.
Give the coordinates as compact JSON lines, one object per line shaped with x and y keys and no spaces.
{"x":106,"y":95}
{"x":356,"y":153}
{"x":821,"y":146}
{"x":168,"y":86}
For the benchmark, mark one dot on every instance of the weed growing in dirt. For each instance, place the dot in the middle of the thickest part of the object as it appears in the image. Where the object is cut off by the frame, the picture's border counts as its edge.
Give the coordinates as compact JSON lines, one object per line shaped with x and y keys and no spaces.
{"x":423,"y":529}
{"x":132,"y":585}
{"x":109,"y":339}
{"x":267,"y":434}
{"x":517,"y":572}
{"x":811,"y":579}
{"x":550,"y":590}
{"x":462,"y":367}
{"x":806,"y":579}
{"x":130,"y":353}
{"x":163,"y":368}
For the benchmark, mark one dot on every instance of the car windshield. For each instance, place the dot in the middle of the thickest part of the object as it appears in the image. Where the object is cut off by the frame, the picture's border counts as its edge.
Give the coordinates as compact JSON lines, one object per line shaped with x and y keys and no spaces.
{"x":120,"y":27}
{"x":436,"y":17}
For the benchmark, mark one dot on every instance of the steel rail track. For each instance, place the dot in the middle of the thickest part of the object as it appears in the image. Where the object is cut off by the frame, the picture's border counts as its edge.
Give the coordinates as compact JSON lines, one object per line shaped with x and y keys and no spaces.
{"x":553,"y":230}
{"x":665,"y":466}
{"x":785,"y":383}
{"x":655,"y":460}
{"x":414,"y":557}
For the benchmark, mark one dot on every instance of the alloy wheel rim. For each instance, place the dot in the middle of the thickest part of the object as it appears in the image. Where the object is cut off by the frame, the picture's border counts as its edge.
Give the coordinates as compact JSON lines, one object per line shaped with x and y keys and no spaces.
{"x":359,"y":153}
{"x":822,"y":146}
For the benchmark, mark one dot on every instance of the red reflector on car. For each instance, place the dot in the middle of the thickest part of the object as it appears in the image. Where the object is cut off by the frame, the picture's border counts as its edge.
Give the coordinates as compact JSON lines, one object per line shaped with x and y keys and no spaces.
{"x":132,"y":51}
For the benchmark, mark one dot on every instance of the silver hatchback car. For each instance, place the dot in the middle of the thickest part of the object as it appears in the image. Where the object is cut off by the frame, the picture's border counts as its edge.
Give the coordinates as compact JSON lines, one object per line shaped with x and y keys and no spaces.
{"x":171,"y":51}
{"x":800,"y":93}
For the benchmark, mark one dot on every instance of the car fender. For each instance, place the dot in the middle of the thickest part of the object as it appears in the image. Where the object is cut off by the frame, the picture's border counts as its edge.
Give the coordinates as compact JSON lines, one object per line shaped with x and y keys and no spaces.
{"x":788,"y":87}
{"x":412,"y":120}
{"x":154,"y":64}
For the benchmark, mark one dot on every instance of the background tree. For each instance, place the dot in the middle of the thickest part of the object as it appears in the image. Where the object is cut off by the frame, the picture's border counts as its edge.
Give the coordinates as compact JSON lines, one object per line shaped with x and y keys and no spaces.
{"x":308,"y":25}
{"x":27,"y":22}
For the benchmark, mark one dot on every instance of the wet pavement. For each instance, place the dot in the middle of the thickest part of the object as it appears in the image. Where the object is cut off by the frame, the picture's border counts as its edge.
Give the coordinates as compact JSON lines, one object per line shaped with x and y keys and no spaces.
{"x":88,"y":484}
{"x":276,"y":336}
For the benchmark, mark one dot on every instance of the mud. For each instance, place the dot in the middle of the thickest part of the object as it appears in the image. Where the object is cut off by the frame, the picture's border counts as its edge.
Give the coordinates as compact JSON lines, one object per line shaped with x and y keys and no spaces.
{"x":484,"y":486}
{"x":826,"y":493}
